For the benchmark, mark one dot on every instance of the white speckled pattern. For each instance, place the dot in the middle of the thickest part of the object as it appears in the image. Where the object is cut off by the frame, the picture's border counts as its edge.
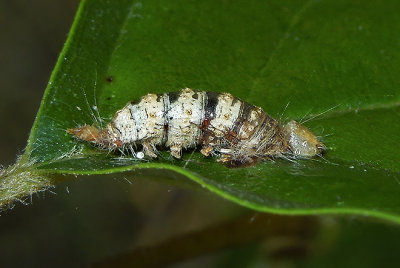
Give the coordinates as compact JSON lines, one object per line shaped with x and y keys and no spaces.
{"x":226,"y":113}
{"x":185,"y":115}
{"x":125,"y":125}
{"x":149,"y":117}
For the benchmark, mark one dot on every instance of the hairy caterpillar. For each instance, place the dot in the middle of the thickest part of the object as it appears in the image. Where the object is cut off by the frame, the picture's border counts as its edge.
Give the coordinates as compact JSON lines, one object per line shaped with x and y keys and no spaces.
{"x":238,"y":132}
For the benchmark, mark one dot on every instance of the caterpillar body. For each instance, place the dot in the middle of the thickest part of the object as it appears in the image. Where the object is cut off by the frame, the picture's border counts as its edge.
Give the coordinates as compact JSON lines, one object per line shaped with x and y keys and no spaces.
{"x":237,"y":132}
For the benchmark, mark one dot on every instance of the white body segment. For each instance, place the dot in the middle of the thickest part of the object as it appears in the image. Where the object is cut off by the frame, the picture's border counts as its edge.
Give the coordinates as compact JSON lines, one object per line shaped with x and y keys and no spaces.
{"x":183,"y":118}
{"x":226,"y":114}
{"x":124,"y":122}
{"x":149,"y":117}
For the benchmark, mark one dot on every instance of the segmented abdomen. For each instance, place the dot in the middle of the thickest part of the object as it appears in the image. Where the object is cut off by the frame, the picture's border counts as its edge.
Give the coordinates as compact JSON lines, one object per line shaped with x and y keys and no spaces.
{"x":218,"y":122}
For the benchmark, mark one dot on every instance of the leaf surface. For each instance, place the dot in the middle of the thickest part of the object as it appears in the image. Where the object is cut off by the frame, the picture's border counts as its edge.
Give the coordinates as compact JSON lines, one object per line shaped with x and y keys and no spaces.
{"x":334,"y":58}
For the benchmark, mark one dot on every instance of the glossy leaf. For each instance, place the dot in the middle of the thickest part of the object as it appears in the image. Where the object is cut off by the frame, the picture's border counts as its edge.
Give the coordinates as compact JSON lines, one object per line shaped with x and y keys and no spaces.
{"x":335,"y":58}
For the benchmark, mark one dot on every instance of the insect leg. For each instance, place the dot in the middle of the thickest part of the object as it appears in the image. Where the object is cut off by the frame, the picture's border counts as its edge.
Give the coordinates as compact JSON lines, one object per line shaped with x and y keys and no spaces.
{"x":149,"y":149}
{"x":176,"y":150}
{"x":206,"y":151}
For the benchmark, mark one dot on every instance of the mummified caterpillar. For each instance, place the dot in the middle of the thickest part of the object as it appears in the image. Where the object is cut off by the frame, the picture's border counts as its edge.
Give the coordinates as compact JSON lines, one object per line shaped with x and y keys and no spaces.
{"x":238,"y":132}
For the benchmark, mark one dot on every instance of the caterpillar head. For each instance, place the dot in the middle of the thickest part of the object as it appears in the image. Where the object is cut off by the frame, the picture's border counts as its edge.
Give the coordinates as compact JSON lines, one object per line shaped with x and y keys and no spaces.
{"x":302,"y":141}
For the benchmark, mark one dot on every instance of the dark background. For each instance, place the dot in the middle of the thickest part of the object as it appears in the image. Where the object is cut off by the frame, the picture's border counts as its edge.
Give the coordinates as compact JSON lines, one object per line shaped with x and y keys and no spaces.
{"x":89,"y":219}
{"x":32,"y":34}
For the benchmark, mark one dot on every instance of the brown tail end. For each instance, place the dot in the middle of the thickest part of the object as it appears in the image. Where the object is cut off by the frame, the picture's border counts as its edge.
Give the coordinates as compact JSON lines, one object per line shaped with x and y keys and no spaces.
{"x":86,"y":133}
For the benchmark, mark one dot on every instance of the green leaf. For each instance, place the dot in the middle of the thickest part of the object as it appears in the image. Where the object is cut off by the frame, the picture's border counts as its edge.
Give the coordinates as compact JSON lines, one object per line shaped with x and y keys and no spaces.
{"x":334,"y":58}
